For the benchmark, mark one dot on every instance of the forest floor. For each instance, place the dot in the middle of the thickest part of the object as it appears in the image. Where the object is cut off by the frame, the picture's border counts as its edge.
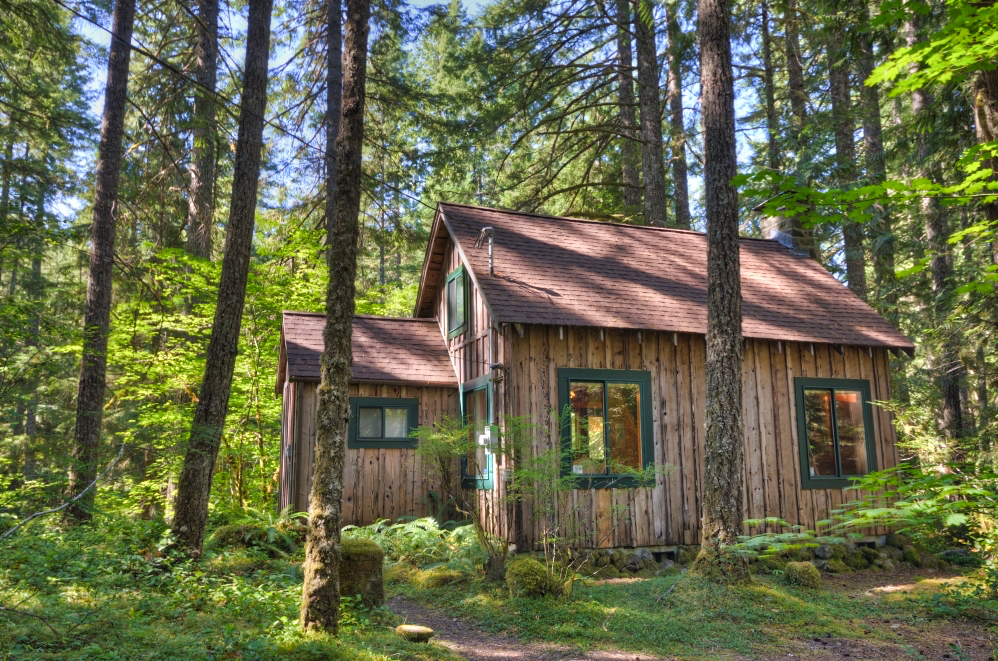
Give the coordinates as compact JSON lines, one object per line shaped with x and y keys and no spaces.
{"x":903,"y":614}
{"x":110,"y":592}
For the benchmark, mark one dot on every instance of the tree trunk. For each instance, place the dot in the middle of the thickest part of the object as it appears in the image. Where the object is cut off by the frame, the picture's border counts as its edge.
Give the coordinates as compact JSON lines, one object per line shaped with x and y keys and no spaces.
{"x":845,"y":154}
{"x":97,"y":315}
{"x":947,"y":363}
{"x":194,"y":485}
{"x":882,"y":239}
{"x":985,"y":98}
{"x":652,"y":155}
{"x":321,"y":590}
{"x":630,"y":155}
{"x":724,"y":470}
{"x":677,"y":128}
{"x":769,"y":84}
{"x":803,"y":238}
{"x":201,"y":199}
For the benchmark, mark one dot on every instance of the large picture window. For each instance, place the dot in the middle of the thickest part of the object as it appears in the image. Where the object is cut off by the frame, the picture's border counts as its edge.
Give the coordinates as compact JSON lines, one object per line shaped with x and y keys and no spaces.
{"x":382,"y":422}
{"x":457,"y":302}
{"x":606,"y":425}
{"x":477,"y":466}
{"x":835,"y":429}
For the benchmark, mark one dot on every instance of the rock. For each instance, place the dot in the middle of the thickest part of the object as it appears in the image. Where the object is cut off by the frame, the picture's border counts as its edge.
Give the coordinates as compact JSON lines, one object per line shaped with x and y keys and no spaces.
{"x":767,"y":564}
{"x":803,"y":574}
{"x":850,"y":547}
{"x":836,"y":566}
{"x":414,"y":633}
{"x":879,"y":562}
{"x":644,"y":554}
{"x":929,"y":560}
{"x":871,"y":554}
{"x":666,"y":564}
{"x":888,"y":565}
{"x":894,"y":553}
{"x":956,"y":556}
{"x":898,"y":541}
{"x":824,"y":551}
{"x":911,"y":556}
{"x":361,"y":562}
{"x":856,"y":560}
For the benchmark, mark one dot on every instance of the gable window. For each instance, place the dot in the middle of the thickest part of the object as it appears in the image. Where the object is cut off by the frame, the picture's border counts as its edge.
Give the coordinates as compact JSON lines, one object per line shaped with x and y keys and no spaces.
{"x":382,"y":422}
{"x":477,"y":466}
{"x":835,"y":428}
{"x":606,"y":425}
{"x":457,"y":302}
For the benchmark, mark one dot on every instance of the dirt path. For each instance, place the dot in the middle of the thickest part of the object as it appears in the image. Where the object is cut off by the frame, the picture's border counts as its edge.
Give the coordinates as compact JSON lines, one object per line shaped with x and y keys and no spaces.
{"x":465,"y":639}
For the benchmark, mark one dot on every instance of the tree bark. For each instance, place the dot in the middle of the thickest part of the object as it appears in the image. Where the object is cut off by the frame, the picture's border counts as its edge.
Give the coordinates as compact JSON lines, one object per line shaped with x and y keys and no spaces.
{"x":630,"y":154}
{"x":97,"y":315}
{"x":194,"y":485}
{"x":769,"y":85}
{"x":985,"y":99}
{"x":949,"y":368}
{"x":677,"y":128}
{"x":724,"y":470}
{"x":321,"y":590}
{"x":201,"y":198}
{"x":882,"y":239}
{"x":845,"y":153}
{"x":652,"y":154}
{"x":803,"y":238}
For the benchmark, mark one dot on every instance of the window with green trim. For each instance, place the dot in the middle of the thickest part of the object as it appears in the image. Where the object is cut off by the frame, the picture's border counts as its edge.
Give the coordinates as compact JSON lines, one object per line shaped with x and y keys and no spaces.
{"x":607,"y":424}
{"x":382,"y":422}
{"x":835,"y":428}
{"x":477,"y":467}
{"x":456,"y":296}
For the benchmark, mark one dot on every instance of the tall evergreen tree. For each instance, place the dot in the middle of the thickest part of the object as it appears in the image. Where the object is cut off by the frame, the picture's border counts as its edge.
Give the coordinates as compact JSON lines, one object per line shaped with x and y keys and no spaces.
{"x":630,"y":154}
{"x":93,"y":369}
{"x":194,"y":486}
{"x":724,"y":446}
{"x":321,"y":591}
{"x":677,"y":126}
{"x":201,"y":194}
{"x":652,"y":155}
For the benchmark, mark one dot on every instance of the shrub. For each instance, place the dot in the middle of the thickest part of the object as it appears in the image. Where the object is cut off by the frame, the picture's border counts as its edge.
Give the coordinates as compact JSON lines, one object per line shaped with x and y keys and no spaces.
{"x":803,"y":574}
{"x":527,"y":577}
{"x":421,"y":542}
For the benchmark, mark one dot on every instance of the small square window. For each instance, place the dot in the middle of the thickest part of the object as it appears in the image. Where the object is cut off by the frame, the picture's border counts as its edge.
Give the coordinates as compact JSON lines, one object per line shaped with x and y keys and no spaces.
{"x":382,"y":422}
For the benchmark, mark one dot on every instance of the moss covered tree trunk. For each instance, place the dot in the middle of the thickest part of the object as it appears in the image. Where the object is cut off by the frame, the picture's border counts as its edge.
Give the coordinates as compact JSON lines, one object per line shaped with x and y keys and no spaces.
{"x":194,"y":486}
{"x":97,"y":314}
{"x":724,"y":450}
{"x":320,"y":605}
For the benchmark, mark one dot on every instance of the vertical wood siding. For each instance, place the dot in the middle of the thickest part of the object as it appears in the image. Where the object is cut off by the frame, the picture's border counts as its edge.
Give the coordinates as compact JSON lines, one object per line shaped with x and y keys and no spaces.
{"x":378,"y":483}
{"x":669,"y":513}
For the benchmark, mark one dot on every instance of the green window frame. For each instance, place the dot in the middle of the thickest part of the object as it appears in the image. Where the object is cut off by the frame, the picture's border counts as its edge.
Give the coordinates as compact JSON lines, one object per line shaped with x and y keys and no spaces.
{"x":485,"y":480}
{"x":607,"y":479}
{"x":456,"y":292}
{"x":356,"y":441}
{"x":836,"y":389}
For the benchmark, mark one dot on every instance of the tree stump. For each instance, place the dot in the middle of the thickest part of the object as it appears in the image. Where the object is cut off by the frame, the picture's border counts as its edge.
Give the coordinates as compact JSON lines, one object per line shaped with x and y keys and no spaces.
{"x":360,"y":571}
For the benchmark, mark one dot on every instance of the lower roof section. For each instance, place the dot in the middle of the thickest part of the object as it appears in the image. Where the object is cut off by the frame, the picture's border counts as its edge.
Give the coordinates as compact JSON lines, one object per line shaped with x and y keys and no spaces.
{"x":385,"y":350}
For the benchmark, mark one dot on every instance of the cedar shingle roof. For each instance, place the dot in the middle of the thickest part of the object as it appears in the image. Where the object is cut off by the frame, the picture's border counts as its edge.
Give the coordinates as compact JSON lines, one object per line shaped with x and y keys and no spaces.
{"x":385,"y":349}
{"x":565,"y":271}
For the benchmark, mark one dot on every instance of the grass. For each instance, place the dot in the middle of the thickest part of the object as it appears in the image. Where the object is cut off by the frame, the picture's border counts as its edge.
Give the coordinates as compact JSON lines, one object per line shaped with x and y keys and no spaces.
{"x":680,"y":615}
{"x":107,"y":593}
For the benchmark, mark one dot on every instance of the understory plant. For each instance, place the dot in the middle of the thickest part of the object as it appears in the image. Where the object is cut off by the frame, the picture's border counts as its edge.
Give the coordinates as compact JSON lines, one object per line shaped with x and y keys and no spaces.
{"x":538,"y":483}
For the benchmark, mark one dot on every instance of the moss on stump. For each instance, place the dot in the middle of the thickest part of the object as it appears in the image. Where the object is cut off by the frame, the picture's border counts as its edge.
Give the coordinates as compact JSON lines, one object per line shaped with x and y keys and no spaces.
{"x":361,"y":561}
{"x":803,"y":574}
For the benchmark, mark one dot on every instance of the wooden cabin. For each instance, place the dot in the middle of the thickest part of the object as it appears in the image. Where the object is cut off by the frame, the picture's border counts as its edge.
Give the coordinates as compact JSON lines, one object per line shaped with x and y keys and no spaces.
{"x":529,"y":315}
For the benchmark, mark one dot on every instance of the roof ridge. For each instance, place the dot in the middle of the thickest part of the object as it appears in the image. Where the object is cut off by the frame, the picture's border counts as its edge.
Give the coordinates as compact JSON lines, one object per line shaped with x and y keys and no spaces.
{"x":598,"y":222}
